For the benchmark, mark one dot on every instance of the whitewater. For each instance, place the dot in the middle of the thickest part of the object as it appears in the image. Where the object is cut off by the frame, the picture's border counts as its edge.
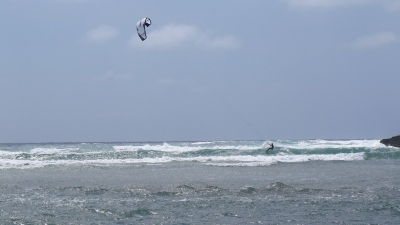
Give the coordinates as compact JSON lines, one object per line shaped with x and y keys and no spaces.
{"x":200,"y":182}
{"x":216,"y":153}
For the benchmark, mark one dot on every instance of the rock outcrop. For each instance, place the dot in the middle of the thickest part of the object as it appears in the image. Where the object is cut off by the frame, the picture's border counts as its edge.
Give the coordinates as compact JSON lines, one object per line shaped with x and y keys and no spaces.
{"x":394,"y":141}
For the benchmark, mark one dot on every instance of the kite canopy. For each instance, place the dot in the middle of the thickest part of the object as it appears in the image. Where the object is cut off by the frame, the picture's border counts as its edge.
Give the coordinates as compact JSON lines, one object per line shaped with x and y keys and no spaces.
{"x":140,"y":27}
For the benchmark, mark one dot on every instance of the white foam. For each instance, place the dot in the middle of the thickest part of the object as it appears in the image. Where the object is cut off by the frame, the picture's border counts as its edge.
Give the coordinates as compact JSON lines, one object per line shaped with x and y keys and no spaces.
{"x":44,"y":151}
{"x":8,"y":153}
{"x":269,"y":160}
{"x":21,"y":164}
{"x":211,"y":160}
{"x":246,"y":146}
{"x":165,"y":147}
{"x":329,"y":144}
{"x":44,"y":156}
{"x":202,"y":143}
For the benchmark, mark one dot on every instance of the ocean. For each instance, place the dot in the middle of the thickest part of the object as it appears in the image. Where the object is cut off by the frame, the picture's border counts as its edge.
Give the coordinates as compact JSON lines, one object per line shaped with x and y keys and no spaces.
{"x":208,"y":182}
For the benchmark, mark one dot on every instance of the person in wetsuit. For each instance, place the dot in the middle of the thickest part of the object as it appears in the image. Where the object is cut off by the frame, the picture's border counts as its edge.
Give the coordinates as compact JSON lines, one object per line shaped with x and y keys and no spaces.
{"x":271,"y":147}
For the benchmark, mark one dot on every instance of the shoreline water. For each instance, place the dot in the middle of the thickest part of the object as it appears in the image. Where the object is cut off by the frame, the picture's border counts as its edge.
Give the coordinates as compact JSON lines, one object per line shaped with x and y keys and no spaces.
{"x":179,"y":173}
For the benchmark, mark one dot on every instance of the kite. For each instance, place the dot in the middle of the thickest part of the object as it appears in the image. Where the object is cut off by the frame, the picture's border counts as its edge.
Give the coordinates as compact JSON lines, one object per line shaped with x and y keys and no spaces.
{"x":140,"y":27}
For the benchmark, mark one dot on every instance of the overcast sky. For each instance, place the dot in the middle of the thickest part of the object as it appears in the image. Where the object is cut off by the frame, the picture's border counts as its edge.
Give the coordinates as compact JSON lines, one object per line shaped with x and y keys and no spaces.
{"x":75,"y":70}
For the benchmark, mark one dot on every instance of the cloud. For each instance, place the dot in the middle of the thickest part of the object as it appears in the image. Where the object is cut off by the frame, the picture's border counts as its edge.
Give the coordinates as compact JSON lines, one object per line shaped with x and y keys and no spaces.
{"x":390,"y":5}
{"x":193,"y":86}
{"x":173,"y":35}
{"x":375,"y":40}
{"x":101,"y":34}
{"x":112,"y":75}
{"x":170,"y":81}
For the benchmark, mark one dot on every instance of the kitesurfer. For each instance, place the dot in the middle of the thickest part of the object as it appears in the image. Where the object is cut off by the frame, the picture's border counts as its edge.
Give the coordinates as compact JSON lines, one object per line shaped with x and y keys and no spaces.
{"x":271,"y":147}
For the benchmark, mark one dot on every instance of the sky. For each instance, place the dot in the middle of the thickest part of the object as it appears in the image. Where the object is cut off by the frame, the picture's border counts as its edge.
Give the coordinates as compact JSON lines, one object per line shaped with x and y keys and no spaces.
{"x":76,"y":70}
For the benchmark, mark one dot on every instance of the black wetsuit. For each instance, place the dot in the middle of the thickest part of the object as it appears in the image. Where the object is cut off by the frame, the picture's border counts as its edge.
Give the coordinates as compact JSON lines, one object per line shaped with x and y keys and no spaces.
{"x":271,"y":148}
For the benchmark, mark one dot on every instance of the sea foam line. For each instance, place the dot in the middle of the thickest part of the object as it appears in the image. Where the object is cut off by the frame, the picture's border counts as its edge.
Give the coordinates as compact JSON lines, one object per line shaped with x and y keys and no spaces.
{"x":179,"y":149}
{"x":294,"y":159}
{"x":212,"y":160}
{"x":329,"y":144}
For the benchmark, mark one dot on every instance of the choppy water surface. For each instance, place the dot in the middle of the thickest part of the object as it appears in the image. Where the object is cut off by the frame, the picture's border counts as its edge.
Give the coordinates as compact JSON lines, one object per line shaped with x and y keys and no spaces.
{"x":218,"y":153}
{"x":225,"y":182}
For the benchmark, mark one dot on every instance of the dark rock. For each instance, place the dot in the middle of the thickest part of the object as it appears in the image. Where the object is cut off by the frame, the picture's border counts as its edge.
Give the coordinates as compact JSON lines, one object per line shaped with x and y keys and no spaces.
{"x":394,"y":141}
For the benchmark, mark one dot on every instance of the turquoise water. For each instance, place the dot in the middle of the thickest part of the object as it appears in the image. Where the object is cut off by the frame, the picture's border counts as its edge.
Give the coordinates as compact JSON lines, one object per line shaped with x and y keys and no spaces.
{"x":222,"y":182}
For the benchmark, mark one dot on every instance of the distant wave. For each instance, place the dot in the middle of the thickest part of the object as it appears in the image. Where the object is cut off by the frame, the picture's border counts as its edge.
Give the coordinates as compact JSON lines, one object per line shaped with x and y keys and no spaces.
{"x":215,"y":153}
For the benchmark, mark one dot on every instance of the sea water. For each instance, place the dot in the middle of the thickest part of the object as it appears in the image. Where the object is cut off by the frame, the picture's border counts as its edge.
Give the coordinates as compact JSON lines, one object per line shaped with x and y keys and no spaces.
{"x":210,"y":182}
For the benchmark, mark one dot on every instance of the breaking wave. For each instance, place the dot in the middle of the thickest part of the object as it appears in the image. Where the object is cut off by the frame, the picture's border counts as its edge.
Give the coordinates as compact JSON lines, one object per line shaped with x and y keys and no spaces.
{"x":209,"y":153}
